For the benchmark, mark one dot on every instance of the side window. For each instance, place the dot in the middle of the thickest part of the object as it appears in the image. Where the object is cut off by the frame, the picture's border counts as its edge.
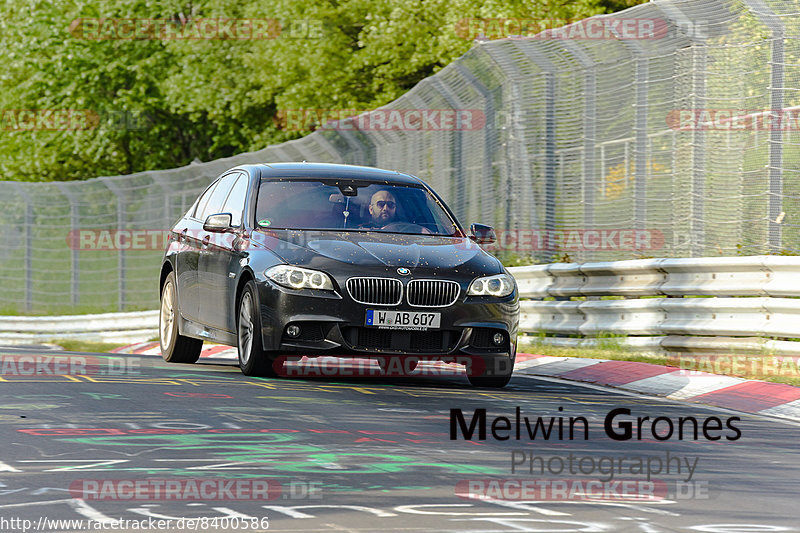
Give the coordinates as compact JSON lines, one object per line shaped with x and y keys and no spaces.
{"x":235,"y":202}
{"x":201,"y":203}
{"x":217,"y":197}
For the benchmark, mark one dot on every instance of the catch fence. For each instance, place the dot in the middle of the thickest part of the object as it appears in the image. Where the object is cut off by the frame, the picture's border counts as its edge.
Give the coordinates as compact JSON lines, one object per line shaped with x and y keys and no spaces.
{"x":683,"y":133}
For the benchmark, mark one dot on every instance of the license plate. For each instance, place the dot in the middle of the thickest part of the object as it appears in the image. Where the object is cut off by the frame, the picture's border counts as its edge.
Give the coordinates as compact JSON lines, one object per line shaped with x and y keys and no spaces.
{"x":403,"y":319}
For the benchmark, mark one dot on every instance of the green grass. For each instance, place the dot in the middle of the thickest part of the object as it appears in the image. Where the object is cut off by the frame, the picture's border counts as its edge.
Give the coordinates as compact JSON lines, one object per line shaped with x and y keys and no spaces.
{"x":84,"y":346}
{"x":607,"y":348}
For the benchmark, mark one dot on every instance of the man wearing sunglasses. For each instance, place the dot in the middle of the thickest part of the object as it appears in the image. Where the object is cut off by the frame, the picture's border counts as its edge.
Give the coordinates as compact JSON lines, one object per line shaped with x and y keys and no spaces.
{"x":382,"y":209}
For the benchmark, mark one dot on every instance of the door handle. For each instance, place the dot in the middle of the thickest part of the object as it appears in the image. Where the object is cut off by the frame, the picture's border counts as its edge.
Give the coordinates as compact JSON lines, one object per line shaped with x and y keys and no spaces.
{"x":206,"y":239}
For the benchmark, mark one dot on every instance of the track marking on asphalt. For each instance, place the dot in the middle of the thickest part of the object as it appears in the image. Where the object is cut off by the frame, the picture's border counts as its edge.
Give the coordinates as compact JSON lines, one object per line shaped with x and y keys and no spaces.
{"x":515,"y":525}
{"x":77,"y":505}
{"x":410,"y":509}
{"x":416,"y":392}
{"x":525,"y":505}
{"x":7,"y":468}
{"x":31,"y":504}
{"x":293,"y":513}
{"x":91,"y":463}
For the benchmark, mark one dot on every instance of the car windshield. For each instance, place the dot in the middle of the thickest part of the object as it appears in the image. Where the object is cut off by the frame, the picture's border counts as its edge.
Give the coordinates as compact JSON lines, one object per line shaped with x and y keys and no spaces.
{"x":352,"y":206}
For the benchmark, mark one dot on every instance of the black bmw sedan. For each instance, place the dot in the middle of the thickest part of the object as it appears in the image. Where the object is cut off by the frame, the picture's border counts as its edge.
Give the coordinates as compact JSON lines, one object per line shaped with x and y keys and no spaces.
{"x":308,"y":259}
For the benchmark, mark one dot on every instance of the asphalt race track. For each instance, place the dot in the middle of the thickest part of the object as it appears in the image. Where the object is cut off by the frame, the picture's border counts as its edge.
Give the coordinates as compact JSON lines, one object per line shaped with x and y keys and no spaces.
{"x":204,"y":441}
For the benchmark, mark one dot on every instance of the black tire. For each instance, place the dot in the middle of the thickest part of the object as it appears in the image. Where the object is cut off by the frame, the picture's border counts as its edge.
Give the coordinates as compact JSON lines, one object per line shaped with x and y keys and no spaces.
{"x":495,"y":378}
{"x":175,"y":348}
{"x":252,"y":359}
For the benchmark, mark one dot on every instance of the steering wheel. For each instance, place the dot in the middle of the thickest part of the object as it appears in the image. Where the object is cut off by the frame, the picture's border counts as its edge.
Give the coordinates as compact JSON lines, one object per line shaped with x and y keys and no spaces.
{"x":403,"y":227}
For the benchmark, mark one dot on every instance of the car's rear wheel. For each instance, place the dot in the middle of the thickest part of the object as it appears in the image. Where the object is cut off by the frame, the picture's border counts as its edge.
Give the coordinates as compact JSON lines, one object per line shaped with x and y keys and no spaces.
{"x":252,"y":359}
{"x":175,"y":348}
{"x":496,"y":377}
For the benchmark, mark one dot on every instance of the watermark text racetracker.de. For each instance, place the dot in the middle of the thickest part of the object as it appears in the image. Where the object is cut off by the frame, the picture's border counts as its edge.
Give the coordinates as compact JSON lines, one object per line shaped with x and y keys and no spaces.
{"x":737,"y":365}
{"x":595,"y":28}
{"x":522,"y":240}
{"x":193,"y":489}
{"x":561,"y":489}
{"x":567,"y":489}
{"x":519,"y":240}
{"x":196,"y":29}
{"x":381,"y":119}
{"x":127,"y":29}
{"x":734,"y":120}
{"x":387,"y":366}
{"x":29,"y":120}
{"x":68,"y":365}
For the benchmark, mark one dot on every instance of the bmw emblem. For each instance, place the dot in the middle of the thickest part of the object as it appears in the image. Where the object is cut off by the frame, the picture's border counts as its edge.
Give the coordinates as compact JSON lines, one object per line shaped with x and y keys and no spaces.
{"x":403,"y":271}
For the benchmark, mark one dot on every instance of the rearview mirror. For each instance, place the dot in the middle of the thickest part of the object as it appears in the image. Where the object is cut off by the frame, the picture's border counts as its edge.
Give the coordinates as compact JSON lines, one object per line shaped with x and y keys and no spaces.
{"x":219,"y":223}
{"x":482,"y":234}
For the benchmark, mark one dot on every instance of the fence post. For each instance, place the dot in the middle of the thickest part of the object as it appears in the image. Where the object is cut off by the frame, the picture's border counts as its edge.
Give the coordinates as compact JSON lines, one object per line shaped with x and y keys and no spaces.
{"x":775,"y":207}
{"x":459,"y":183}
{"x":515,"y":160}
{"x":641,"y":141}
{"x":698,"y":228}
{"x":489,"y":136}
{"x":641,"y":144}
{"x":697,"y":35}
{"x":74,"y":223}
{"x":28,"y":245}
{"x":589,"y":129}
{"x":548,"y":69}
{"x":121,"y":223}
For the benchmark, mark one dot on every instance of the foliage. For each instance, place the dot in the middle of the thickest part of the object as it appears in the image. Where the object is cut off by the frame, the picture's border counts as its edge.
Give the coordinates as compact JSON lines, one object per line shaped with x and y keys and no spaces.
{"x":160,"y":103}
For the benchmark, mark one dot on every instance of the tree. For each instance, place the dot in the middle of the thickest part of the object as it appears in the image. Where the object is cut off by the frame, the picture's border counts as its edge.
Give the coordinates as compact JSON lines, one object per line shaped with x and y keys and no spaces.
{"x":150,"y":103}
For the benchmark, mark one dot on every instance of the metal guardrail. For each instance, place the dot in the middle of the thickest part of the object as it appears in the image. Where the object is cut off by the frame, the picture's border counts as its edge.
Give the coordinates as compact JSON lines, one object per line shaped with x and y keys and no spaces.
{"x":712,"y":305}
{"x":742,"y":304}
{"x":108,"y":327}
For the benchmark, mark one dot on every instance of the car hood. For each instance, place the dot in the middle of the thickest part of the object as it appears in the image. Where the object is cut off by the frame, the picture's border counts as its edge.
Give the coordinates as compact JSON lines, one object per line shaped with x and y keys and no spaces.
{"x":318,"y":249}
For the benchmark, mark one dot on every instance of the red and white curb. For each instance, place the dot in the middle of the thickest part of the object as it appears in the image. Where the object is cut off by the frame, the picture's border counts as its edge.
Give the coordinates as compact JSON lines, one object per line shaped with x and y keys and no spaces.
{"x":217,"y":351}
{"x":750,"y":396}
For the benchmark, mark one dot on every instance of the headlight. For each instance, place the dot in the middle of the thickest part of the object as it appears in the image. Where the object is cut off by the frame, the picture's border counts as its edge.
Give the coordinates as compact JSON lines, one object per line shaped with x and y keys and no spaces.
{"x":499,"y":285}
{"x":299,"y":278}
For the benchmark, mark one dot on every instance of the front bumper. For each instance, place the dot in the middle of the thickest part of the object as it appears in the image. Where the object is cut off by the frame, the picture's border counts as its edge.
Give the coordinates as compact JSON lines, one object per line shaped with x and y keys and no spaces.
{"x":334,"y":324}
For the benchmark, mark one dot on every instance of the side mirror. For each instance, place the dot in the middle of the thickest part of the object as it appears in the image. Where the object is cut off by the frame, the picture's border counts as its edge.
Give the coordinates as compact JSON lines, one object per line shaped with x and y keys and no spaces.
{"x":219,"y":223}
{"x":482,"y":234}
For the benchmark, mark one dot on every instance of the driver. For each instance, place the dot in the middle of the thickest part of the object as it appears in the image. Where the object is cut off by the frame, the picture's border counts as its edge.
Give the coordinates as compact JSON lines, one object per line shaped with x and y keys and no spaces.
{"x":382,"y":209}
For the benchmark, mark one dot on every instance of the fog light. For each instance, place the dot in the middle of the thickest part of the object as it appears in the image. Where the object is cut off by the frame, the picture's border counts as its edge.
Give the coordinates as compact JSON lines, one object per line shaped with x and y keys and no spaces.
{"x":498,"y":339}
{"x":293,"y":330}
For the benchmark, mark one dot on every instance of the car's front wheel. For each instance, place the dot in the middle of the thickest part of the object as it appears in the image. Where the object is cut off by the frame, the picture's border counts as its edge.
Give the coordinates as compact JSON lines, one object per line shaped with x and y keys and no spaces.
{"x":252,"y":359}
{"x":175,"y":348}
